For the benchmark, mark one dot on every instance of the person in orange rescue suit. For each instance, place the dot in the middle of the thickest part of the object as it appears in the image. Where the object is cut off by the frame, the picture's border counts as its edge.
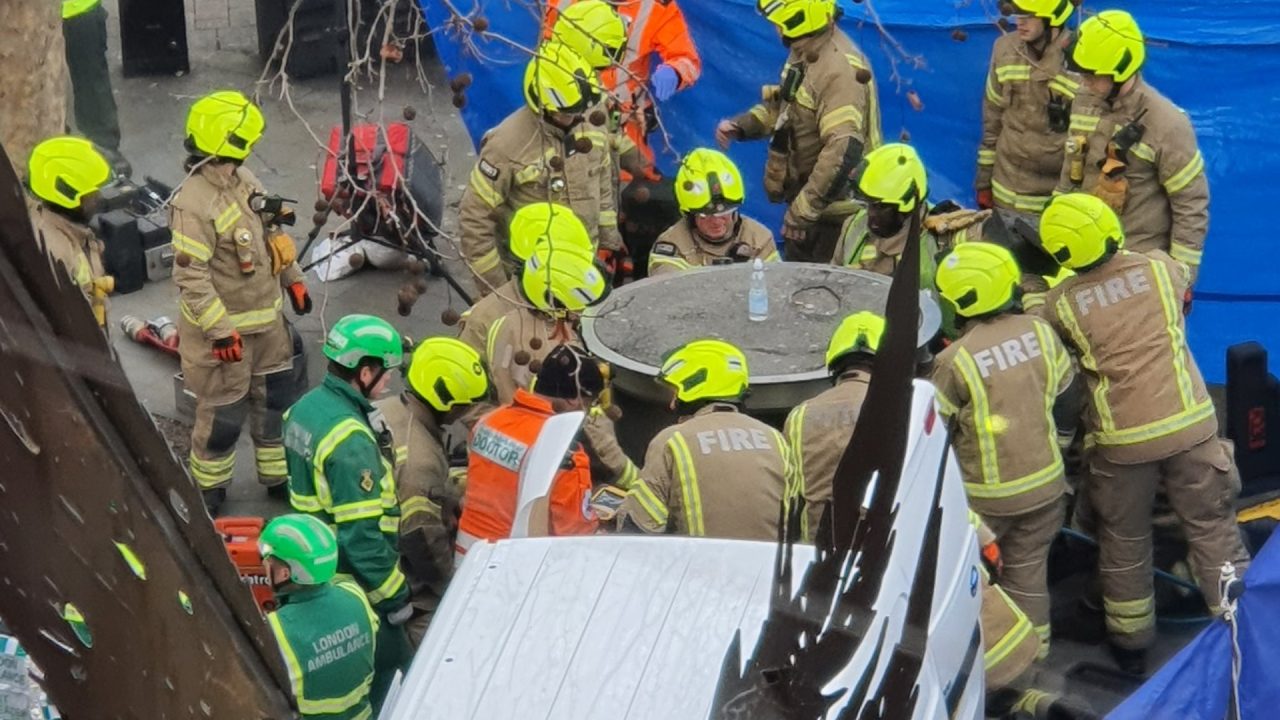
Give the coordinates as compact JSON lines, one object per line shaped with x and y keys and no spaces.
{"x":1026,"y":109}
{"x":632,"y":78}
{"x":559,"y":281}
{"x":595,"y":30}
{"x":1149,"y":421}
{"x":997,"y":384}
{"x":543,"y":152}
{"x":717,"y":472}
{"x":820,"y":118}
{"x":1134,"y":148}
{"x":444,"y":379}
{"x":65,"y":174}
{"x":231,"y":262}
{"x":569,"y":380}
{"x":709,"y":191}
{"x":819,"y":429}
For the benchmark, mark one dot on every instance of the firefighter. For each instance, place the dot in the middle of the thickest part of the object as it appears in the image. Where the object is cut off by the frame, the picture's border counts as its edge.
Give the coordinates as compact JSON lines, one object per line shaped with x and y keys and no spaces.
{"x":569,"y":380}
{"x":997,"y":384}
{"x":541,"y":152}
{"x":1134,"y":148}
{"x":84,"y":32}
{"x":820,"y":118}
{"x":819,"y":428}
{"x":559,"y":281}
{"x":1149,"y":420}
{"x":231,"y":263}
{"x":531,"y":226}
{"x":65,"y":174}
{"x":444,"y":379}
{"x":1026,"y":109}
{"x":325,"y":629}
{"x":709,"y":191}
{"x":653,"y":27}
{"x":340,"y":459}
{"x":717,"y":472}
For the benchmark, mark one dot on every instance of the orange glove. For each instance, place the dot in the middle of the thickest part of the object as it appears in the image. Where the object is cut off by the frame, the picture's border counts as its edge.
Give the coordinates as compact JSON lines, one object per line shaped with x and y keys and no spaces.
{"x":992,"y":559}
{"x":986,"y":200}
{"x":229,"y":349}
{"x":300,"y":298}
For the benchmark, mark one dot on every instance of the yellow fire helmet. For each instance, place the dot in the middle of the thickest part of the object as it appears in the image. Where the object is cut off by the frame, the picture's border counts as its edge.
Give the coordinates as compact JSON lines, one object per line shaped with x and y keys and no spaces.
{"x":892,"y":174}
{"x":446,"y":372}
{"x":1111,"y":44}
{"x":1054,"y":12}
{"x":858,"y":333}
{"x":708,"y":181}
{"x":563,"y":278}
{"x":546,"y":222}
{"x":1079,"y":229}
{"x":978,"y":278}
{"x":224,"y":124}
{"x":797,"y":18}
{"x":594,"y":30}
{"x":706,"y":370}
{"x":559,"y":80}
{"x":62,"y":170}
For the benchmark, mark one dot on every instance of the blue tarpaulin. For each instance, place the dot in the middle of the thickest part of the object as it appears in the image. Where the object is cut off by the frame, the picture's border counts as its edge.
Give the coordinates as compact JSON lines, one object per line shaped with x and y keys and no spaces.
{"x":1195,"y":684}
{"x":1219,"y":60}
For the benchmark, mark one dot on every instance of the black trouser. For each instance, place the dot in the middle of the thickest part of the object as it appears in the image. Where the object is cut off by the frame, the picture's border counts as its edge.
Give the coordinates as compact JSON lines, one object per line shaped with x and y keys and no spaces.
{"x":95,"y":107}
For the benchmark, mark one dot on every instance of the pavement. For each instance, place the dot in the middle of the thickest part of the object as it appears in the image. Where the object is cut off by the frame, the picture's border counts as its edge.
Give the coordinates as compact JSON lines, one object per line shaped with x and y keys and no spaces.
{"x":152,"y":117}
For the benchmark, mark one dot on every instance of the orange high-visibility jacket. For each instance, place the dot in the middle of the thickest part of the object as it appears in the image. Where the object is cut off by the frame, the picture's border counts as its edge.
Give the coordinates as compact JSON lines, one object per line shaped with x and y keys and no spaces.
{"x":653,"y":26}
{"x":499,"y":444}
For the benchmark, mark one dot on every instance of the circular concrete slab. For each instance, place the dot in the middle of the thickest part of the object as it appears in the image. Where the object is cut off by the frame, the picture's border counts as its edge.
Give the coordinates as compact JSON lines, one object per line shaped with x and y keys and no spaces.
{"x":638,"y":323}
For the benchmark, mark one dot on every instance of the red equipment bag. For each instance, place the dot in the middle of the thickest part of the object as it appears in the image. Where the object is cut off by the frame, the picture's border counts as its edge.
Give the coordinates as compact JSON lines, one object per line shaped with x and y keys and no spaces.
{"x":373,"y":157}
{"x":240,"y":535}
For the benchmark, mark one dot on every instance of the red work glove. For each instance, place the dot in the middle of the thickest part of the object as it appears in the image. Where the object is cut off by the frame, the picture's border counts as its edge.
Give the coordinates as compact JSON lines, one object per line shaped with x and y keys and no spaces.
{"x":300,"y":298}
{"x":615,"y":262}
{"x":229,"y":349}
{"x":986,"y":200}
{"x":992,"y":559}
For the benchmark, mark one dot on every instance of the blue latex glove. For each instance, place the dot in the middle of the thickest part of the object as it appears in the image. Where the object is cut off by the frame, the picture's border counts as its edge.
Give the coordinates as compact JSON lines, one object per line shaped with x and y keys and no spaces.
{"x":664,"y":82}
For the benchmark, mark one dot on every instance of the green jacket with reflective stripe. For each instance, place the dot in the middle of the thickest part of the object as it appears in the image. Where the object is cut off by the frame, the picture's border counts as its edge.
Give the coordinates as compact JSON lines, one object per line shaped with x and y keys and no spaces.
{"x":326,"y":634}
{"x":338,"y":473}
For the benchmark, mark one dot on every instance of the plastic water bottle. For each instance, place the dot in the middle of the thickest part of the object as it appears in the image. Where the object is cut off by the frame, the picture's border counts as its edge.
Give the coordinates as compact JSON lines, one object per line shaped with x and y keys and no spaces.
{"x":758,"y":295}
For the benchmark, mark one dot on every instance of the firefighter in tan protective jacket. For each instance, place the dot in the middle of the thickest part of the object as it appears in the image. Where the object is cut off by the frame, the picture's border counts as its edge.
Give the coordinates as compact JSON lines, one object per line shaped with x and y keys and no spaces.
{"x":1026,"y":109}
{"x":820,"y":118}
{"x":545,"y":152}
{"x":231,"y":264}
{"x":819,"y":428}
{"x":709,"y":191}
{"x":65,"y":173}
{"x":1134,"y":148}
{"x":997,"y":384}
{"x":717,"y":472}
{"x":444,"y":379}
{"x":1150,"y":420}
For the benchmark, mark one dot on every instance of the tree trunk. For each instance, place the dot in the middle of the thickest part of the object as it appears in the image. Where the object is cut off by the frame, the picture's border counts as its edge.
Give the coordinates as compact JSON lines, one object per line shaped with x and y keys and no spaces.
{"x":33,"y":82}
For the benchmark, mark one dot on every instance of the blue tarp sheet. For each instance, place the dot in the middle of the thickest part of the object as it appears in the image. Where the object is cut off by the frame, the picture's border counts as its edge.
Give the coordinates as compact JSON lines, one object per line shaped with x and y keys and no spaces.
{"x":1218,"y":59}
{"x":1195,"y":684}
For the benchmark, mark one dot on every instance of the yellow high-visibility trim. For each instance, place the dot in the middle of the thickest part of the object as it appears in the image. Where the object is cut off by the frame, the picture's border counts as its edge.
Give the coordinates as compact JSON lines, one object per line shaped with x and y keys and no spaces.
{"x":1023,"y":484}
{"x":290,"y":657}
{"x":986,"y":157}
{"x":1083,"y":123}
{"x":389,"y":524}
{"x":212,"y":473}
{"x":1025,"y":203}
{"x":486,"y":262}
{"x":207,"y":319}
{"x":993,"y":94}
{"x":1064,"y":85}
{"x":1020,"y":631}
{"x":689,"y":491}
{"x":678,"y":263}
{"x":227,"y":218}
{"x":191,"y":247}
{"x":1183,"y":177}
{"x":389,"y":587}
{"x":1171,"y":302}
{"x":418,"y":505}
{"x":650,"y":502}
{"x":1158,"y":429}
{"x":762,"y":114}
{"x":484,"y":189}
{"x":1184,"y":254}
{"x":311,"y":706}
{"x":795,"y":435}
{"x":361,"y":510}
{"x":608,"y":218}
{"x":845,"y":114}
{"x":629,"y":475}
{"x":492,"y":340}
{"x":1005,"y":73}
{"x":256,"y":318}
{"x":1087,"y":361}
{"x":305,"y":503}
{"x":72,"y":8}
{"x":804,"y":99}
{"x":1129,"y":617}
{"x":982,"y":421}
{"x":339,"y":434}
{"x":1143,"y":151}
